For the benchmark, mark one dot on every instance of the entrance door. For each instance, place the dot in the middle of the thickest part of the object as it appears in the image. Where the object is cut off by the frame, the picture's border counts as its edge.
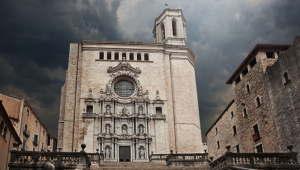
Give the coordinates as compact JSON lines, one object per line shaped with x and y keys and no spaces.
{"x":124,"y":153}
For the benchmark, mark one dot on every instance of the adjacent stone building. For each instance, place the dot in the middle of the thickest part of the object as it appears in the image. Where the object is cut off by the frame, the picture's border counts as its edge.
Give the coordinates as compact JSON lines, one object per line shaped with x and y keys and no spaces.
{"x":266,"y":103}
{"x":129,"y":99}
{"x":8,"y":136}
{"x":30,"y":129}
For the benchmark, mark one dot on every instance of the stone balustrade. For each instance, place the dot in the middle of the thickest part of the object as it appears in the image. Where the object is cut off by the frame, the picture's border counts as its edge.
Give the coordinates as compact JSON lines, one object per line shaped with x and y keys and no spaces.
{"x":42,"y":160}
{"x":187,"y":159}
{"x":158,"y":157}
{"x":256,"y":160}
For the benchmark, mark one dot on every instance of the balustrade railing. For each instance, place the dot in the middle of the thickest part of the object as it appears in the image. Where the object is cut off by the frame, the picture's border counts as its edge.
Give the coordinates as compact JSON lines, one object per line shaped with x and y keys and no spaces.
{"x":39,"y":160}
{"x":187,"y":159}
{"x":89,"y":115}
{"x":158,"y":157}
{"x":256,"y":160}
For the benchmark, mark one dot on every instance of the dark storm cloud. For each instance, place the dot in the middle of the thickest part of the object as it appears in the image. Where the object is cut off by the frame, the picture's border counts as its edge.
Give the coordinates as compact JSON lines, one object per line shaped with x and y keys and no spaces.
{"x":35,"y":38}
{"x":34,"y":46}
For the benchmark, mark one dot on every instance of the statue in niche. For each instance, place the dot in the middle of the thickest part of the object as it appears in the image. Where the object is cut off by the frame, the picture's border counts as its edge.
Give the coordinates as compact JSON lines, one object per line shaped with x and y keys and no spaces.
{"x":108,"y":90}
{"x":107,"y":152}
{"x":107,"y":129}
{"x":108,"y":109}
{"x":140,"y":110}
{"x":124,"y":130}
{"x":141,"y":130}
{"x":140,"y":90}
{"x":124,"y":110}
{"x":142,"y":153}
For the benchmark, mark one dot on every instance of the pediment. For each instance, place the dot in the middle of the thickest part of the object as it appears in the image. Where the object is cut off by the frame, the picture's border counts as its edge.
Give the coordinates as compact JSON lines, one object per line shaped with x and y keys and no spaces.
{"x":124,"y":66}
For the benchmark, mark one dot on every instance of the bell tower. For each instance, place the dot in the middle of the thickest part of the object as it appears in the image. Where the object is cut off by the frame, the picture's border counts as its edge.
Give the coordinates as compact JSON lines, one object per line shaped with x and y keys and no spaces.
{"x":169,"y":27}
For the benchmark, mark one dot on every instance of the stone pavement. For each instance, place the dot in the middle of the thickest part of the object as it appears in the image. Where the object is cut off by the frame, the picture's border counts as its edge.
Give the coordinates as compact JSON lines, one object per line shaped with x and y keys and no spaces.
{"x":139,"y":166}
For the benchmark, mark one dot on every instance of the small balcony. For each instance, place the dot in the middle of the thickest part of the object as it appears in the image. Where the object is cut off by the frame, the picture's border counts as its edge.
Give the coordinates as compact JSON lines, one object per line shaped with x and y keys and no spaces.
{"x":26,"y":132}
{"x":35,"y":142}
{"x":256,"y":137}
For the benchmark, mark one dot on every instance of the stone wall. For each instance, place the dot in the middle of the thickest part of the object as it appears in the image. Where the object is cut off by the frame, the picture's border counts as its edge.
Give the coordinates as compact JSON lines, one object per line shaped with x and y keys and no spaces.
{"x":285,"y":96}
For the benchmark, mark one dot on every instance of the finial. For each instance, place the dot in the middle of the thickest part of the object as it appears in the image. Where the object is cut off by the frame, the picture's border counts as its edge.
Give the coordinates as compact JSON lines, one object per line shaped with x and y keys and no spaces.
{"x":179,"y":8}
{"x":166,"y":6}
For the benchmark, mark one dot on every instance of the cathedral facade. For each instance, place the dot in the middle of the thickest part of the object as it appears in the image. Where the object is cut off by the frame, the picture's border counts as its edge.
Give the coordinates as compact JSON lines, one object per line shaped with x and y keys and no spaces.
{"x":129,"y":99}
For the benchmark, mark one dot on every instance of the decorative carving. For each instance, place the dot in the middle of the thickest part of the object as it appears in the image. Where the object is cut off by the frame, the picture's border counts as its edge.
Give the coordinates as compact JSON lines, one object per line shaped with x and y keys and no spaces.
{"x":140,"y":110}
{"x":107,"y":129}
{"x":124,"y":129}
{"x":124,"y":112}
{"x":157,"y":98}
{"x":141,"y":97}
{"x":142,"y":152}
{"x":141,"y":129}
{"x":108,"y":109}
{"x":107,"y":152}
{"x":124,"y":66}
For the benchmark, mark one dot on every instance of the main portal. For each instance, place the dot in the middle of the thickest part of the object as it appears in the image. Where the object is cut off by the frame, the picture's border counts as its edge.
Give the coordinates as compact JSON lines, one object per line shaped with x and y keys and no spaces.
{"x":124,"y":153}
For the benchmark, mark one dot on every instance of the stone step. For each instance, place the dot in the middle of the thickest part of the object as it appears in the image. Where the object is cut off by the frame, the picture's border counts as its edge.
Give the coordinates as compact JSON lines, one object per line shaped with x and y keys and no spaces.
{"x":140,"y":166}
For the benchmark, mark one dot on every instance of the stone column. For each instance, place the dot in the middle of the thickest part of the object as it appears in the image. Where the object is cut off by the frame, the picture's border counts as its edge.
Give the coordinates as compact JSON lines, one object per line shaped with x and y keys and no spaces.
{"x":146,"y":146}
{"x":133,"y":149}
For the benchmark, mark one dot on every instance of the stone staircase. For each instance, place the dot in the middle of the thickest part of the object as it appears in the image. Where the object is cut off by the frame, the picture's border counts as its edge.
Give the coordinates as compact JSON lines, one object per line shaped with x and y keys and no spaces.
{"x":139,"y":166}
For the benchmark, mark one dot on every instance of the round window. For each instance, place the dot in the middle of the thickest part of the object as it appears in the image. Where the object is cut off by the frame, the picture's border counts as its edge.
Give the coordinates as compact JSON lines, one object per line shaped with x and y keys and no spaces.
{"x":124,"y":88}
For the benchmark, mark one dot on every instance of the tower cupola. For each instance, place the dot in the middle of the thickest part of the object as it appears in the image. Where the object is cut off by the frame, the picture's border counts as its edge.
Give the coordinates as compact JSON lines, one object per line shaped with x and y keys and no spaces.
{"x":169,"y":27}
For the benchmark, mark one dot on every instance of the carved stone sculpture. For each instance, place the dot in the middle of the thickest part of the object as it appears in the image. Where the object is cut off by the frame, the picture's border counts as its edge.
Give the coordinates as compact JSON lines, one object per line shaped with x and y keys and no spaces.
{"x":107,"y":129}
{"x":124,"y":130}
{"x":141,"y":130}
{"x":108,"y":110}
{"x":141,"y":108}
{"x":142,"y":153}
{"x":124,"y":110}
{"x":107,"y":152}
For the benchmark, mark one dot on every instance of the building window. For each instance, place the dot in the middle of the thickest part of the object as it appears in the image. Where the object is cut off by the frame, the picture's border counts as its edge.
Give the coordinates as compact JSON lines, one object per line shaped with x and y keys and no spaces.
{"x":286,"y":77}
{"x":270,"y":55}
{"x":237,"y":80}
{"x":216,"y":130}
{"x":234,"y":130}
{"x":158,"y":110}
{"x":218,"y":145}
{"x":245,"y":112}
{"x":24,"y":145}
{"x":256,"y":135}
{"x":131,"y":56}
{"x":43,"y":133}
{"x":257,"y":101}
{"x":123,"y":56}
{"x":101,"y":56}
{"x":163,"y":31}
{"x":248,"y":88}
{"x":108,"y":56}
{"x":36,"y":123}
{"x":259,"y":149}
{"x":245,"y":71}
{"x":124,"y":88}
{"x":43,"y":149}
{"x":4,"y":132}
{"x":174,"y":27}
{"x":139,"y":56}
{"x":253,"y":62}
{"x":146,"y":57}
{"x":35,"y":139}
{"x":89,"y":109}
{"x":237,"y":148}
{"x":33,"y":149}
{"x":25,"y":127}
{"x":27,"y":113}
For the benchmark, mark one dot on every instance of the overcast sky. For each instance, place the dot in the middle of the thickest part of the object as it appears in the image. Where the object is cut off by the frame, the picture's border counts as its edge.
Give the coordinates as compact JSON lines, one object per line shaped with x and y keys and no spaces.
{"x":35,"y":37}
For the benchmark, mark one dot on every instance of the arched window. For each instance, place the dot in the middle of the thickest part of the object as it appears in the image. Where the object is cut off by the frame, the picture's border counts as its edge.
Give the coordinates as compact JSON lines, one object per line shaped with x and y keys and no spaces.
{"x":248,"y":88}
{"x":245,"y":112}
{"x":4,"y":132}
{"x":174,"y":28}
{"x":257,"y":101}
{"x":163,"y":31}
